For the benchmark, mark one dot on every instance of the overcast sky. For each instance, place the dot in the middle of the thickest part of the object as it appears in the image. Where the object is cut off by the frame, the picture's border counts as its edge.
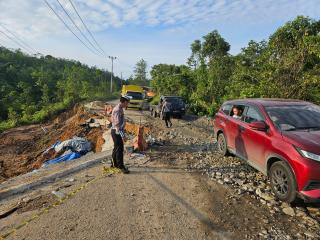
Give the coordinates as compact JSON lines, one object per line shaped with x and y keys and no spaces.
{"x":160,"y":31}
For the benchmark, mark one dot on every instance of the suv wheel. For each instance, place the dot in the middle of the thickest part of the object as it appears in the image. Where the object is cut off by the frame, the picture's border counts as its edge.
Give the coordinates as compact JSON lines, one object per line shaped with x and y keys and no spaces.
{"x":222,"y":145}
{"x":283,"y":182}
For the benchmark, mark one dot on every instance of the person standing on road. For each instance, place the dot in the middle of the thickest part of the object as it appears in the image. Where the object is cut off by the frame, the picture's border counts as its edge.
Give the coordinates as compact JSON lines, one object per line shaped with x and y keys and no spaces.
{"x":118,"y":135}
{"x":166,"y":113}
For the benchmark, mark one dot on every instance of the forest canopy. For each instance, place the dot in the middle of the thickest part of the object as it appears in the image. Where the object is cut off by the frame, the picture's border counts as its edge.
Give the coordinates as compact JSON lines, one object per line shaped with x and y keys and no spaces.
{"x":34,"y":88}
{"x":285,"y":66}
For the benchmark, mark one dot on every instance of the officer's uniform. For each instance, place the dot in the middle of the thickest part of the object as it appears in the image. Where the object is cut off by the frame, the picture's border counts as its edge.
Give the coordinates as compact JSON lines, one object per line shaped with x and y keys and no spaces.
{"x":117,"y":133}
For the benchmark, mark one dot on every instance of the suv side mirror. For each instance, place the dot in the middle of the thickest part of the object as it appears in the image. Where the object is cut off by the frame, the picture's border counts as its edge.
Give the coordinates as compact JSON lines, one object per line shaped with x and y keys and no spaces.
{"x":259,"y":126}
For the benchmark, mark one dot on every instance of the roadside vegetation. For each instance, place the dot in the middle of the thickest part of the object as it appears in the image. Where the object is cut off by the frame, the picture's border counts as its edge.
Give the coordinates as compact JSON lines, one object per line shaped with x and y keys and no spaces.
{"x":140,"y":74}
{"x":287,"y":65}
{"x":34,"y":88}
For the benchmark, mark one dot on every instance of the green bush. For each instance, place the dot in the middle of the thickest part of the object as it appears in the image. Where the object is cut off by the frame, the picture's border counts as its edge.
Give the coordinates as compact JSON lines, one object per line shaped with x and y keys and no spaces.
{"x":155,"y":100}
{"x":4,"y":125}
{"x":49,"y":111}
{"x":40,"y":116}
{"x":213,"y":108}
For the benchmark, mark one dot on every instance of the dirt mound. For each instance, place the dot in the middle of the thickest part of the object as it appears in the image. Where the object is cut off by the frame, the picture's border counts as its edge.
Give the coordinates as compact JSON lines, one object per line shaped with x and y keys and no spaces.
{"x":133,"y":129}
{"x":95,"y":105}
{"x":21,"y":149}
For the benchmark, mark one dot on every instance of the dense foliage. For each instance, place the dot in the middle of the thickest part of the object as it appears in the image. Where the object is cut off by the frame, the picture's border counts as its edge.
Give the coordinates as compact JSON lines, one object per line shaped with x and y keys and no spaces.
{"x":285,"y":66}
{"x":34,"y":88}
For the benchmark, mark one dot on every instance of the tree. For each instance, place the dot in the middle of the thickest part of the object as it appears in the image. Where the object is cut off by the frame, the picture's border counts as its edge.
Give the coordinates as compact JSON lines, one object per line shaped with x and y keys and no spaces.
{"x":248,"y":72}
{"x":285,"y":66}
{"x":34,"y":88}
{"x":196,"y":54}
{"x":140,"y":73}
{"x":294,"y":58}
{"x":212,"y":70}
{"x":172,"y":80}
{"x":214,"y":45}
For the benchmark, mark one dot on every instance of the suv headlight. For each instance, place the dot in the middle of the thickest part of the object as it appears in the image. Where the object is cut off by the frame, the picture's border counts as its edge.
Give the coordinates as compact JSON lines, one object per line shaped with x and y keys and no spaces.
{"x":309,"y":155}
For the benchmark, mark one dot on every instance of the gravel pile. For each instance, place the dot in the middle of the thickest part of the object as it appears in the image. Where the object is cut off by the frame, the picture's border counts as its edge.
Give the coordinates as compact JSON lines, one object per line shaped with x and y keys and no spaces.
{"x":245,"y":180}
{"x":200,"y":153}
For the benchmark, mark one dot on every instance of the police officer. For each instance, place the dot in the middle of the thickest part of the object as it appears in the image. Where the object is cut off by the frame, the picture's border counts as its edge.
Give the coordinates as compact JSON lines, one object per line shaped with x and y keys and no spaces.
{"x":118,"y":135}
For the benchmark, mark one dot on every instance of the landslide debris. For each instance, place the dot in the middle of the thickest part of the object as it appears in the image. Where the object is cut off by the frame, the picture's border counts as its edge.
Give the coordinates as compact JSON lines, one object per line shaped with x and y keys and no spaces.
{"x":21,"y":149}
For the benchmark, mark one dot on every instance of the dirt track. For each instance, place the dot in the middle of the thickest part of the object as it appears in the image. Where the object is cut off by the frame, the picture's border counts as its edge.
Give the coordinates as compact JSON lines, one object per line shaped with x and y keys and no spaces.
{"x":141,"y":205}
{"x":168,"y":195}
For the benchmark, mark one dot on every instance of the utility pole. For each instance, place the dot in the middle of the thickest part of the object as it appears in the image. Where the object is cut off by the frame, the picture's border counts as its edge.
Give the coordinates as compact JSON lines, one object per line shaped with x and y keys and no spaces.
{"x":112,"y":59}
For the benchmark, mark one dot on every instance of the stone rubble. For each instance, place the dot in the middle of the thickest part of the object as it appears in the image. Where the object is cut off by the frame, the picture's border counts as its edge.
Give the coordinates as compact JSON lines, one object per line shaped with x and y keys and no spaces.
{"x":244,"y":180}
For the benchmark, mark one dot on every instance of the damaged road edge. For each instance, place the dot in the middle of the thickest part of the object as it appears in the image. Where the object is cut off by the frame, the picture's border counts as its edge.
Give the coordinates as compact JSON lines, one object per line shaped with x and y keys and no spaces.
{"x":23,"y":188}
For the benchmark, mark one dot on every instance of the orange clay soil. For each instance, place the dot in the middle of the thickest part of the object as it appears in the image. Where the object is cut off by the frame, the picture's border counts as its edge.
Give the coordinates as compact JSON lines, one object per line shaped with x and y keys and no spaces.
{"x":21,"y":148}
{"x":133,"y":129}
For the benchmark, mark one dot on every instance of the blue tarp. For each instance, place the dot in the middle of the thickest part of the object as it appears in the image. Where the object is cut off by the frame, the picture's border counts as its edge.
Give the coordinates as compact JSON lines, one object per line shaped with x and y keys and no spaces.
{"x":63,"y":158}
{"x":76,"y":148}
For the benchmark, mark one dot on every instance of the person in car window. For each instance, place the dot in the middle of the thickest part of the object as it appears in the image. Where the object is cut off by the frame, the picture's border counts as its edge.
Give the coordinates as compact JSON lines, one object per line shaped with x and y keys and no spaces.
{"x":237,"y":112}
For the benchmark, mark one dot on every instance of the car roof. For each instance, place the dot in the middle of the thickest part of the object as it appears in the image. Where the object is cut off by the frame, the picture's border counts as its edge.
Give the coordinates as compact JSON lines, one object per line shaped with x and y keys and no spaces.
{"x":268,"y":101}
{"x":171,"y":97}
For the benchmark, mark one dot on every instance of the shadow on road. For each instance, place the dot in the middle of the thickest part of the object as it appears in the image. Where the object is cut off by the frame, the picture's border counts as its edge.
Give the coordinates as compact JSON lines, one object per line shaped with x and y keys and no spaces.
{"x":202,"y":218}
{"x":146,"y":170}
{"x":184,"y":148}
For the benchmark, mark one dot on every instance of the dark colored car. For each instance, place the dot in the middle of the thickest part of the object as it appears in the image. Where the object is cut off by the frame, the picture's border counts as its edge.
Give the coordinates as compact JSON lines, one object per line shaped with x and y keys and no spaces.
{"x":178,"y":107}
{"x":280,"y":138}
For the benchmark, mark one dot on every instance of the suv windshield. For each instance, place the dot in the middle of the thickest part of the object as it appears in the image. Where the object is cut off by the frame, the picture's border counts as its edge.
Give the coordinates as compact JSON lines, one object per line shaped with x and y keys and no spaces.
{"x":135,"y":95}
{"x":174,"y":100}
{"x":295,"y":117}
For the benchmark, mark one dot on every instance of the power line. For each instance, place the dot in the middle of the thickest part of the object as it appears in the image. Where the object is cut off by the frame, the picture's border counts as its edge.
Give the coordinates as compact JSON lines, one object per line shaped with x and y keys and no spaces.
{"x":73,"y":6}
{"x":18,"y":38}
{"x":66,"y":25}
{"x":12,"y":39}
{"x":73,"y":22}
{"x":125,"y":63}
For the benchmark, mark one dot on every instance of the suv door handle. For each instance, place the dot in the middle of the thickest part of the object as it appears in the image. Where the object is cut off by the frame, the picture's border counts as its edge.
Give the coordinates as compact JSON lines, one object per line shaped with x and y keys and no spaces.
{"x":242,"y":129}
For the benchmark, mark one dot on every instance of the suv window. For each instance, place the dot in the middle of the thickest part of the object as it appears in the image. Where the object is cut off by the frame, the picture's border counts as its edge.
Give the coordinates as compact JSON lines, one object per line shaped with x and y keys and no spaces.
{"x":253,"y":115}
{"x":295,"y":117}
{"x":226,"y":109}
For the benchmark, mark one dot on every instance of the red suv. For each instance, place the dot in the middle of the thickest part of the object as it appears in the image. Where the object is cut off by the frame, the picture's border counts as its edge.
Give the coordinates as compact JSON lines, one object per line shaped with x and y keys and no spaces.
{"x":278,"y":137}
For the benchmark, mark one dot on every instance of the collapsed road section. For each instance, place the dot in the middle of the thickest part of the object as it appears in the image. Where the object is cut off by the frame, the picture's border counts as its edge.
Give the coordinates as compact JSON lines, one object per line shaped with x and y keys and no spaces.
{"x":72,"y":134}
